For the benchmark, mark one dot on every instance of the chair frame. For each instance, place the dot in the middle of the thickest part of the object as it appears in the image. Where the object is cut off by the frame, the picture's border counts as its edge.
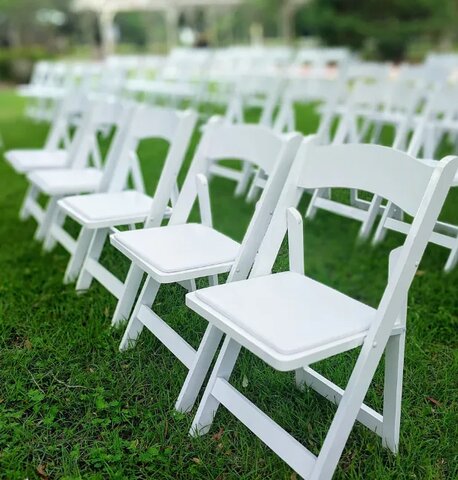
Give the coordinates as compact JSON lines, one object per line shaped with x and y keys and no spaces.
{"x":426,"y":138}
{"x":99,"y":115}
{"x":219,"y":141}
{"x":147,"y":122}
{"x":313,"y":169}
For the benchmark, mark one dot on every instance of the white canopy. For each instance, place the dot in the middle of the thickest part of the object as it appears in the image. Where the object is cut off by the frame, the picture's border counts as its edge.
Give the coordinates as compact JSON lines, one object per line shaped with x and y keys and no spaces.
{"x":131,"y":5}
{"x":107,"y":9}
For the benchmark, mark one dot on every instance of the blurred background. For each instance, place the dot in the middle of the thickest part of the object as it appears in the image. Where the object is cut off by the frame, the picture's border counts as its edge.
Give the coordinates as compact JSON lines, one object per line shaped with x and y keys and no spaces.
{"x":394,"y":30}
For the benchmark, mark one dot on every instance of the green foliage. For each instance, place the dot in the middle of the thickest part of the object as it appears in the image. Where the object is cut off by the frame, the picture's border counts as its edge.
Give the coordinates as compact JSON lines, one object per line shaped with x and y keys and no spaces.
{"x":16,"y":63}
{"x":390,"y":24}
{"x":72,"y":406}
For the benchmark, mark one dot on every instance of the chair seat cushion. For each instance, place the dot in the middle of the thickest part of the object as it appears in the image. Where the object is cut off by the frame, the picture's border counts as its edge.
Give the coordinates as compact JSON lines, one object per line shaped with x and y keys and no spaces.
{"x":66,"y":181}
{"x":288,"y":312}
{"x":177,"y":248}
{"x":26,"y":160}
{"x":108,"y":209}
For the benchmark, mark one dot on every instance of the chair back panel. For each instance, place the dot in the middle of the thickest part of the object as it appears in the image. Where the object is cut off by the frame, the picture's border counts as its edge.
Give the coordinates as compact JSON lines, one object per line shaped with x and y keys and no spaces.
{"x":251,"y":143}
{"x":386,"y":172}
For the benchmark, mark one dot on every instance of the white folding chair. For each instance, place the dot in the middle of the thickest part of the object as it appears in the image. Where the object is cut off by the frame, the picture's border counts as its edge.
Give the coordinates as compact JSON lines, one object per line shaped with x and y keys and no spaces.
{"x":249,"y":91}
{"x":291,"y":321}
{"x":57,"y":150}
{"x":78,"y":176}
{"x":439,"y":119}
{"x":45,"y":95}
{"x":370,"y":108}
{"x":182,"y":252}
{"x":98,"y":214}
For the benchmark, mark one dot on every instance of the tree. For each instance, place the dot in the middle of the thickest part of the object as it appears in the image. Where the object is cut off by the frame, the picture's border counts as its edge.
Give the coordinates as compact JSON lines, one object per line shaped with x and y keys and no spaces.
{"x":390,"y":24}
{"x":22,"y":24}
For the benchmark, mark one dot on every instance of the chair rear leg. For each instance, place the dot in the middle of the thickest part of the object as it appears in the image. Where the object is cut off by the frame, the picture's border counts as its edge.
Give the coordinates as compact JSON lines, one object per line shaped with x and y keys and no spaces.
{"x":77,"y":257}
{"x":369,"y":221}
{"x":392,"y":398}
{"x":135,"y":326}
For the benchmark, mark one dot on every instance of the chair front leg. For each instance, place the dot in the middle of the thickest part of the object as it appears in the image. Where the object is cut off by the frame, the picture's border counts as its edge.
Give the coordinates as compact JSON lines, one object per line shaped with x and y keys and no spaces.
{"x":381,"y":230}
{"x":135,"y":326}
{"x":31,"y":196}
{"x":95,"y":240}
{"x":45,"y":224}
{"x":78,"y":256}
{"x":245,"y":175}
{"x":313,"y":208}
{"x":198,"y":371}
{"x":209,"y":404}
{"x":125,"y":303}
{"x":57,"y":221}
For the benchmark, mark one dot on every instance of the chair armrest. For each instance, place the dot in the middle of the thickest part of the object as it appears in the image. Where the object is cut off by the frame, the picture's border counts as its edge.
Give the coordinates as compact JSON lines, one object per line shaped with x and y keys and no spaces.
{"x":203,"y":196}
{"x":295,"y":240}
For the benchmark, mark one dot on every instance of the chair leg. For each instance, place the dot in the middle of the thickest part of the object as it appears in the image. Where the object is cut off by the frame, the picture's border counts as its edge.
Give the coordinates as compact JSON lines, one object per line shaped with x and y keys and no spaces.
{"x":125,"y":303}
{"x":392,"y":398}
{"x":57,"y":220}
{"x":372,"y":213}
{"x":245,"y":178}
{"x":78,"y":256}
{"x":31,"y":195}
{"x":254,"y":189}
{"x":135,"y":326}
{"x":452,"y":258}
{"x":209,"y":404}
{"x":348,"y":409}
{"x":198,"y":371}
{"x":212,"y":280}
{"x":45,"y":224}
{"x":380,"y":233}
{"x":94,"y":248}
{"x":312,"y":208}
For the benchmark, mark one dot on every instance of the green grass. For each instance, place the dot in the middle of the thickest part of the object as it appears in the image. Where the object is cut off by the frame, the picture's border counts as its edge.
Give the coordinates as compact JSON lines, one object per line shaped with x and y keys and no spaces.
{"x":72,"y":406}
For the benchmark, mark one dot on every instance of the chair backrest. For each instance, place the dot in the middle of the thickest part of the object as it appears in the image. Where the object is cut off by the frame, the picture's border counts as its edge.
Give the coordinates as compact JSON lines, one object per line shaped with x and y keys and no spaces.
{"x":145,"y":122}
{"x":439,"y":116}
{"x":255,"y":144}
{"x":418,"y":188}
{"x":100,"y":115}
{"x":69,"y":109}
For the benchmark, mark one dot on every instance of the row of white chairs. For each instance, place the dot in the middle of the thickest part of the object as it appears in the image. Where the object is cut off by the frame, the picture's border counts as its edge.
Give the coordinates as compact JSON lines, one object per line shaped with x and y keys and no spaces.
{"x":317,"y":322}
{"x":363,"y":97}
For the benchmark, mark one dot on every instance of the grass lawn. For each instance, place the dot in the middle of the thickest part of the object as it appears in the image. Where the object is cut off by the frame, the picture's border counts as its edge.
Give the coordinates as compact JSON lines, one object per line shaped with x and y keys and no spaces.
{"x":72,"y":406}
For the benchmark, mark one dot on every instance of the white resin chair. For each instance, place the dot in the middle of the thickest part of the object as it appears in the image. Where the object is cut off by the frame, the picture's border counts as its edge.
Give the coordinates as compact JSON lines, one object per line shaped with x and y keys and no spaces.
{"x":439,"y":119}
{"x":370,"y":108}
{"x":60,"y":142}
{"x":116,"y":205}
{"x":182,"y":252}
{"x":249,"y":91}
{"x":291,"y":321}
{"x":79,"y":176}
